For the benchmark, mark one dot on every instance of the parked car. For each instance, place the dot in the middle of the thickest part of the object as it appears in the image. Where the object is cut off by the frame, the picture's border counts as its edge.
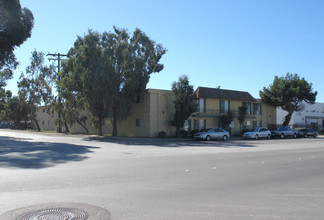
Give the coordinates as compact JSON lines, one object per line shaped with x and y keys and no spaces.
{"x":305,"y":132}
{"x":284,"y":131}
{"x":257,"y":133}
{"x":213,"y":133}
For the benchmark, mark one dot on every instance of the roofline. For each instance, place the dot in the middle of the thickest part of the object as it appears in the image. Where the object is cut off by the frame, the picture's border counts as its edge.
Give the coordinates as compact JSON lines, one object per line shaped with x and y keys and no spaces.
{"x":222,"y":89}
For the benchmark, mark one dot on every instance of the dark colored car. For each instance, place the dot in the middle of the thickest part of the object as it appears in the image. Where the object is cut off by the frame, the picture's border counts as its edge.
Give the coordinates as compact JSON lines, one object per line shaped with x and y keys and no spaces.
{"x":306,"y":132}
{"x":284,"y":131}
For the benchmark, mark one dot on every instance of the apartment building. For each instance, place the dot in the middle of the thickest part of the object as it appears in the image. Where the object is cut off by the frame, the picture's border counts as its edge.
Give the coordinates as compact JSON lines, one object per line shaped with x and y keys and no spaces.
{"x":154,"y":110}
{"x":213,"y":103}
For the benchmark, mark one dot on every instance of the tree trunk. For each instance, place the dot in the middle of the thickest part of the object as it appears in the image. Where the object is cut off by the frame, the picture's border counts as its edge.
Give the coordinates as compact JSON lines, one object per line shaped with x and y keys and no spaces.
{"x":66,"y":127}
{"x":287,"y":118}
{"x":114,"y":126}
{"x":67,"y":130}
{"x":37,"y":125}
{"x":100,"y":127}
{"x":177,"y":131}
{"x":82,"y":125}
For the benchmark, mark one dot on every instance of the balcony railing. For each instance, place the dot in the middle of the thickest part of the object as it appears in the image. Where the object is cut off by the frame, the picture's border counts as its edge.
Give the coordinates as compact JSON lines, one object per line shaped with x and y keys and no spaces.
{"x":218,"y":112}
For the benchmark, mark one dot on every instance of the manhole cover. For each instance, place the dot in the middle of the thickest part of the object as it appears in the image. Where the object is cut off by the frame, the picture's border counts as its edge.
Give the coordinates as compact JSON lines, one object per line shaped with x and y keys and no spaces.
{"x":56,"y":213}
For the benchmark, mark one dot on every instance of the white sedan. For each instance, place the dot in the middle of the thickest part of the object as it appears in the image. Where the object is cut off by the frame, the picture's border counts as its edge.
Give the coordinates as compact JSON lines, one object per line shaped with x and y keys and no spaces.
{"x":257,"y":133}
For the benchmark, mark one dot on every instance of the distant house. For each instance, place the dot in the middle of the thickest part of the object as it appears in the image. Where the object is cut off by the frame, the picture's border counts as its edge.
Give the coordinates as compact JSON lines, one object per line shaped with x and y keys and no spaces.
{"x":213,"y":103}
{"x":310,"y":116}
{"x":154,"y":110}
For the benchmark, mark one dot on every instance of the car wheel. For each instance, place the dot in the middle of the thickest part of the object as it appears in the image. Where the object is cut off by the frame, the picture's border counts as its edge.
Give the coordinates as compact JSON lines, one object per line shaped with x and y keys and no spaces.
{"x":208,"y":138}
{"x":256,"y":137}
{"x":315,"y":135}
{"x":282,"y":136}
{"x":294,"y":135}
{"x":224,"y":138}
{"x":305,"y":136}
{"x":269,"y":136}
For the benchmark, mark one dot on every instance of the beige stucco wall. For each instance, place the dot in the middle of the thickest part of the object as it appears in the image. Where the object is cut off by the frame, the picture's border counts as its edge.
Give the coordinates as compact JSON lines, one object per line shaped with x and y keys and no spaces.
{"x":47,"y":122}
{"x":155,"y":113}
{"x":140,"y":111}
{"x":46,"y":119}
{"x":162,"y":111}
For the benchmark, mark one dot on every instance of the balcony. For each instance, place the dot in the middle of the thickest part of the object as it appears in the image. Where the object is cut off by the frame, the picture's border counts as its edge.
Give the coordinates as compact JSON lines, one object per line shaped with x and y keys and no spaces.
{"x":218,"y":113}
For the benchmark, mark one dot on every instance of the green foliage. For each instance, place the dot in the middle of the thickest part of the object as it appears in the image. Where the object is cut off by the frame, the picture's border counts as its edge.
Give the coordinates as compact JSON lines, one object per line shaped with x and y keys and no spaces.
{"x":15,"y":27}
{"x":242,"y":111}
{"x":289,"y":92}
{"x":16,"y":110}
{"x":184,"y":101}
{"x":4,"y":97}
{"x":72,"y":101}
{"x":109,"y":70}
{"x":226,"y":119}
{"x":35,"y":86}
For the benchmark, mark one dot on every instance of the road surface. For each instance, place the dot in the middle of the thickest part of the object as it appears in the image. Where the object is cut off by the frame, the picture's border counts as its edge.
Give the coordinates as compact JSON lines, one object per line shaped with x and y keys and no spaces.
{"x":165,"y":179}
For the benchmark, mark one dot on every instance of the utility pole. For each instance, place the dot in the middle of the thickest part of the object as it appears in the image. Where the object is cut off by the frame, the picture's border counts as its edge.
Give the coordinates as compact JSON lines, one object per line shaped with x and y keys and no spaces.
{"x":57,"y":56}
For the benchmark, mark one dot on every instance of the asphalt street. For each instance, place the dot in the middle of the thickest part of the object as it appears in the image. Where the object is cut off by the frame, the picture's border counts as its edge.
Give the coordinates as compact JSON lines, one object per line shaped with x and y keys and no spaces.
{"x":152,"y":179}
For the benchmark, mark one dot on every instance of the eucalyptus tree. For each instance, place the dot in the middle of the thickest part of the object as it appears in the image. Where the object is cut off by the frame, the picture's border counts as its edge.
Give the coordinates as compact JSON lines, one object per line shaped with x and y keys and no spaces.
{"x":185,"y":102}
{"x":111,"y":69}
{"x":35,"y":85}
{"x":89,"y":76}
{"x":16,"y":111}
{"x":289,"y":93}
{"x":72,"y":101}
{"x":15,"y":27}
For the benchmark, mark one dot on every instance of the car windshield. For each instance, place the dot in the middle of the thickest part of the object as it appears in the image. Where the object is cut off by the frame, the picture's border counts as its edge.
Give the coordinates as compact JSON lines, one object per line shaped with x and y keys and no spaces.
{"x":281,"y":128}
{"x":256,"y":130}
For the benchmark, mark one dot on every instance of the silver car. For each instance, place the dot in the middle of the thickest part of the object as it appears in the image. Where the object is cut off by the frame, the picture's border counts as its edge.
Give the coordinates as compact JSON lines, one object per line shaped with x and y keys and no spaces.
{"x":257,"y":133}
{"x":213,"y":133}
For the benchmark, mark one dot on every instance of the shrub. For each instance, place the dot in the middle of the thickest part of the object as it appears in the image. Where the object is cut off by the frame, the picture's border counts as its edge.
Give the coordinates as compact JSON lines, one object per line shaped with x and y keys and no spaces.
{"x":162,"y":134}
{"x":184,"y":133}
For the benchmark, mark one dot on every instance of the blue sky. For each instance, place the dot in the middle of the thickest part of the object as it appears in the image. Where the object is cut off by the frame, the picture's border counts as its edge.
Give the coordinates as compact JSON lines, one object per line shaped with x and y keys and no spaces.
{"x":234,"y":44}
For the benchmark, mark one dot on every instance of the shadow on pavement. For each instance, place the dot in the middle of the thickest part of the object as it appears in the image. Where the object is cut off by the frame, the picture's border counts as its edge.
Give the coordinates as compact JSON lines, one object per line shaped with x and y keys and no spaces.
{"x":19,"y":153}
{"x":170,"y":142}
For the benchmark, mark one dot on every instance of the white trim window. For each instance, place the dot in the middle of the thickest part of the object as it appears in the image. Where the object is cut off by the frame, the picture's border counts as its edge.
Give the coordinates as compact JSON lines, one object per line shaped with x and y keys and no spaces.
{"x":139,"y":122}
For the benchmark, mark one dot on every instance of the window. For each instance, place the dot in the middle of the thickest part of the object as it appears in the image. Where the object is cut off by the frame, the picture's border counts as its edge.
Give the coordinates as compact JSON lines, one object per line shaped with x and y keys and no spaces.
{"x":224,"y":106}
{"x":49,"y":123}
{"x":257,"y":124}
{"x":139,"y":122}
{"x":43,"y":122}
{"x":257,"y":109}
{"x":43,"y":109}
{"x":202,"y":105}
{"x":248,"y":107}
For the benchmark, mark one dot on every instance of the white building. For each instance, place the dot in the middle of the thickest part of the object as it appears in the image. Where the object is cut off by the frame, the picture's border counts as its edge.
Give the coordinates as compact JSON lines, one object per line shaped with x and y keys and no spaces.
{"x":312,"y":115}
